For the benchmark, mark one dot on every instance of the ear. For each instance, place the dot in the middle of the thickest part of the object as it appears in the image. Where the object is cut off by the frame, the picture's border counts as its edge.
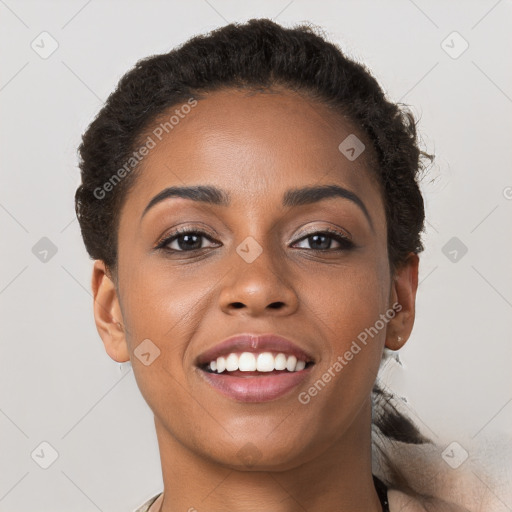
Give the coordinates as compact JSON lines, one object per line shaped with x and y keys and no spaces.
{"x":403,"y":294}
{"x":107,"y":314}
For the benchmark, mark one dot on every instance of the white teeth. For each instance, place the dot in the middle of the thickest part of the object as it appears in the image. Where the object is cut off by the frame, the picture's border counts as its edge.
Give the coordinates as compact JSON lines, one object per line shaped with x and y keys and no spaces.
{"x":290,"y":363}
{"x":280,"y":362}
{"x":263,"y":362}
{"x":247,"y":362}
{"x":221,"y":364}
{"x":232,"y":363}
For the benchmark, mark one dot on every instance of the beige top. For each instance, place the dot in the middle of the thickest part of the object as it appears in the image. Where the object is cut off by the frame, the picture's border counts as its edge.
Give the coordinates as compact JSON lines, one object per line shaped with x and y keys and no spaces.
{"x":442,"y":479}
{"x":146,"y":506}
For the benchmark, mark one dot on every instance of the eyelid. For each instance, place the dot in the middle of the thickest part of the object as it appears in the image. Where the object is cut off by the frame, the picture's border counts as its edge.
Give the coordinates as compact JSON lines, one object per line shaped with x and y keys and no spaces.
{"x":327,"y":229}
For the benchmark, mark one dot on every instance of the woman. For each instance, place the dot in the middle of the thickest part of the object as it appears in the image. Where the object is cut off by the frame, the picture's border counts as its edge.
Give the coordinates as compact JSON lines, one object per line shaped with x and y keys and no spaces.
{"x":251,"y":202}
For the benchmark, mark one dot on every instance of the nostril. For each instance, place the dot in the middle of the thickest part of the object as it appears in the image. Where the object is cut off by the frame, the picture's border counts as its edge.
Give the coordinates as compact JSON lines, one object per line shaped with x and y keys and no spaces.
{"x":238,"y":305}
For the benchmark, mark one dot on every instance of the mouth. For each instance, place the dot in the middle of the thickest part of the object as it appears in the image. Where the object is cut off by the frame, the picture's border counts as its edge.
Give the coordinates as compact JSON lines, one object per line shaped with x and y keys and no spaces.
{"x":251,"y":368}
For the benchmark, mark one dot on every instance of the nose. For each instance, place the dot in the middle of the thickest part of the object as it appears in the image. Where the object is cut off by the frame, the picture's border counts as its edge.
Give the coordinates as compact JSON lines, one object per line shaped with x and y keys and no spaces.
{"x":258,"y":288}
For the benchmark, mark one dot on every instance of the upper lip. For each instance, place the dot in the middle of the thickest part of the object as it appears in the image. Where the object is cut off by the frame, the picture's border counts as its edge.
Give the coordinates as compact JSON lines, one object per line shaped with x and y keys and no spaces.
{"x":248,"y":342}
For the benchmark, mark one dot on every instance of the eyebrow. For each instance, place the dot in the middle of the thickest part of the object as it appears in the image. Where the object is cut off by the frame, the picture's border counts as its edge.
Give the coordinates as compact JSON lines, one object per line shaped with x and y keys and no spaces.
{"x":209,"y":194}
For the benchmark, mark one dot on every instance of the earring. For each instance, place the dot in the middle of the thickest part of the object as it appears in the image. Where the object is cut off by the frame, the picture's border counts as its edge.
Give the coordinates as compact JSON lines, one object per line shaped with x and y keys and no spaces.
{"x":399,"y":339}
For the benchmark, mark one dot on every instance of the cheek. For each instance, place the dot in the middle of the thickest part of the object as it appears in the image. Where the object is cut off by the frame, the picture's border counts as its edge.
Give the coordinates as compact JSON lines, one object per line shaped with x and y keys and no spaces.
{"x":348,"y":313}
{"x":158,"y":302}
{"x":167,"y":307}
{"x":161,"y":308}
{"x":342,"y":386}
{"x":349,"y":300}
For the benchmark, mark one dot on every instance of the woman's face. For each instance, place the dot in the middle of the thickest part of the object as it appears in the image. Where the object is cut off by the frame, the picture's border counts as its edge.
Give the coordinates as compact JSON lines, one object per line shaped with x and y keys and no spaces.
{"x":263,"y":264}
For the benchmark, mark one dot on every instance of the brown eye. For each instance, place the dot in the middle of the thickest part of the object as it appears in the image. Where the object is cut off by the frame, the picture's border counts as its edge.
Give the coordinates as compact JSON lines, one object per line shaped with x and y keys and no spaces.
{"x":322,"y":241}
{"x":184,"y":241}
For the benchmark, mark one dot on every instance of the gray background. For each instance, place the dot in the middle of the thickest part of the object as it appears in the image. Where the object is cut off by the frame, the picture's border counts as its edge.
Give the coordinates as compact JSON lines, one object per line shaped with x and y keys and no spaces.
{"x":58,"y":384}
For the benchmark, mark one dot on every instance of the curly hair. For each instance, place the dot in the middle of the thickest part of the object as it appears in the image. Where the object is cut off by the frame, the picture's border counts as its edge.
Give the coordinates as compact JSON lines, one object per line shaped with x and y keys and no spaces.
{"x":257,"y":55}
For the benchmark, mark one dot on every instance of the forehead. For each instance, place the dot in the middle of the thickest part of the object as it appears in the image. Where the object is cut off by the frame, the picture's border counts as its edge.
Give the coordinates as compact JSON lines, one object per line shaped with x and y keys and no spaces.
{"x":255,"y":144}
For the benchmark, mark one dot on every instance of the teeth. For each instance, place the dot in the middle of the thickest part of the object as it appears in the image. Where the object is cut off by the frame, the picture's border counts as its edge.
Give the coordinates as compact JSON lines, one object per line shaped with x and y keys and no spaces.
{"x":280,"y":362}
{"x":247,"y":362}
{"x":263,"y":362}
{"x":232,"y":363}
{"x":291,"y":363}
{"x":221,"y":364}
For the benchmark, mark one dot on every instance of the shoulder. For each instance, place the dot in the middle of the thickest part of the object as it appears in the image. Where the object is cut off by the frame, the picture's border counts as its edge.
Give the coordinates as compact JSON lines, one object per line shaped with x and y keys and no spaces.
{"x":146,"y":506}
{"x":399,"y":501}
{"x":402,"y":502}
{"x":481,"y":482}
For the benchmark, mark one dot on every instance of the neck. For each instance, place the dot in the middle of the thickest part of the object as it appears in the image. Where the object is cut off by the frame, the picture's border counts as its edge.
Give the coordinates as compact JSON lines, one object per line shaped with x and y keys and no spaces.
{"x":339,"y":479}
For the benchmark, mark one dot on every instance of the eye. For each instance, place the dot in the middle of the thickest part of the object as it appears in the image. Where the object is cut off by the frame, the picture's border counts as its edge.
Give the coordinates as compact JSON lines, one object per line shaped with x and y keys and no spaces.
{"x":184,"y":240}
{"x":188,"y":240}
{"x":322,"y":240}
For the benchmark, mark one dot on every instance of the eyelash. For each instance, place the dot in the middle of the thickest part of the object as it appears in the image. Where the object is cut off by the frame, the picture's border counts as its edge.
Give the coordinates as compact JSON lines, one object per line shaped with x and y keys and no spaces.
{"x":339,"y":236}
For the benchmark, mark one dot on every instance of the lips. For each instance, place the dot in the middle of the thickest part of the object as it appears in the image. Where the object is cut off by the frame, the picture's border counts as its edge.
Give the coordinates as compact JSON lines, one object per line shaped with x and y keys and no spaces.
{"x":255,"y":368}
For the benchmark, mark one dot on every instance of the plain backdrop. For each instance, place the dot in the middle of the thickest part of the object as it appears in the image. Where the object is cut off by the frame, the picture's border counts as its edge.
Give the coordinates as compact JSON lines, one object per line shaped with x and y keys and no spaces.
{"x":59,"y":387}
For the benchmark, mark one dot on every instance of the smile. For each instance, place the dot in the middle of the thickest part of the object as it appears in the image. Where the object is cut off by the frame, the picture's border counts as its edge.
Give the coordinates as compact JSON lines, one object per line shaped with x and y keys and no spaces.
{"x":255,"y":386}
{"x":255,"y":368}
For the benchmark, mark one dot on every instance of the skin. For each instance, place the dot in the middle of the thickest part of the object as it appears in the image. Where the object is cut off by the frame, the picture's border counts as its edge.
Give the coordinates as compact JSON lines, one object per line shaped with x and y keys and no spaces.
{"x":256,"y":146}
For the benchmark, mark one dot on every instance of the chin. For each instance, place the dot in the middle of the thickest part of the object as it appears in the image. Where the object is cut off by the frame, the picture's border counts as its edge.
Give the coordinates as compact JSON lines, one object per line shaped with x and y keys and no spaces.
{"x":260,"y":454}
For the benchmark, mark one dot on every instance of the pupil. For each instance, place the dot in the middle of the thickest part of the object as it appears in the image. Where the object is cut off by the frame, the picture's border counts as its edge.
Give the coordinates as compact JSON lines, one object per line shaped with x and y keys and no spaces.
{"x":325,"y":245}
{"x":186,"y":242}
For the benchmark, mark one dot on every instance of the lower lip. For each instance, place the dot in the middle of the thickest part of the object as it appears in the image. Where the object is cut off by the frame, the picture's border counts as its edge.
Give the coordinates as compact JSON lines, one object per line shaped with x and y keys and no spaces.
{"x":260,"y":388}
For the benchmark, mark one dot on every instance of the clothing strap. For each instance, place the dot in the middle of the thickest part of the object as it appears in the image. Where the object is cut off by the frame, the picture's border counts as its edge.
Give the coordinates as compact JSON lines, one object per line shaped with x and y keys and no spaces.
{"x":382,"y":492}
